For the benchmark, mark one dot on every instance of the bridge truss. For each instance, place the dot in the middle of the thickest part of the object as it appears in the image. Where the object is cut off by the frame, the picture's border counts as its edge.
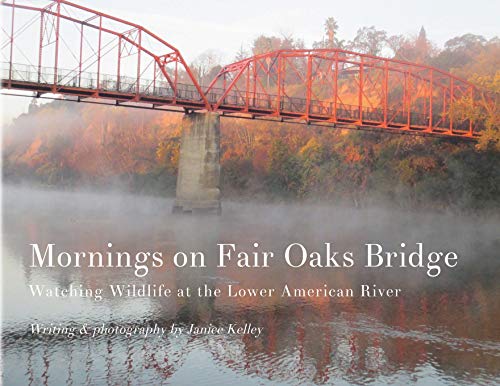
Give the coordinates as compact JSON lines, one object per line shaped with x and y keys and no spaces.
{"x":86,"y":55}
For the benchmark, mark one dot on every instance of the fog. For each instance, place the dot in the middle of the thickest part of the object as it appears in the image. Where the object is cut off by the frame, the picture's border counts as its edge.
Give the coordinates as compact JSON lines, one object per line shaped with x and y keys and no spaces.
{"x":438,"y":324}
{"x":86,"y":220}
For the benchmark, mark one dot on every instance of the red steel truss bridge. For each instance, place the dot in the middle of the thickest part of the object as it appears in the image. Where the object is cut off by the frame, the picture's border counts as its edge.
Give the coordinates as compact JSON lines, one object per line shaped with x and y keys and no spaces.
{"x":88,"y":56}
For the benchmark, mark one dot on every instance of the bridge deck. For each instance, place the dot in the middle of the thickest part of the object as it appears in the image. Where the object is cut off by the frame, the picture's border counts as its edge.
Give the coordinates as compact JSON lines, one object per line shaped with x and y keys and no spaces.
{"x":186,"y":97}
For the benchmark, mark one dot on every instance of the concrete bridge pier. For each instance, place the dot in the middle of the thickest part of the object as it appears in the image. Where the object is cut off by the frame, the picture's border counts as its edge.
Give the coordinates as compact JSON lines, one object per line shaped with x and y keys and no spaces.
{"x":198,"y":178}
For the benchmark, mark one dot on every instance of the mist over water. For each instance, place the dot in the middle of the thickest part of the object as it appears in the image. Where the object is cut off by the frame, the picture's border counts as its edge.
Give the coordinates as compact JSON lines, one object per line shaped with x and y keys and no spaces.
{"x":441,"y":330}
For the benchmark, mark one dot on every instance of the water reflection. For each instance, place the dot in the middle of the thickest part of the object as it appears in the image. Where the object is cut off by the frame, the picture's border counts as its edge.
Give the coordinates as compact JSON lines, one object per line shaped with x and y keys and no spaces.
{"x":441,"y":331}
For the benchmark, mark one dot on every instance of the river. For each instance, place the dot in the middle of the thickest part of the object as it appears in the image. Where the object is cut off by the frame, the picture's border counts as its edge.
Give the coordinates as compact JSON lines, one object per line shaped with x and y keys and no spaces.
{"x":438,"y":331}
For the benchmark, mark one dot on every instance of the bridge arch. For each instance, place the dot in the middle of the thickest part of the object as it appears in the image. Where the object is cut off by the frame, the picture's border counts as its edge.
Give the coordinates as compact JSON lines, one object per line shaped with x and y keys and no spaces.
{"x":335,"y":86}
{"x":85,"y":52}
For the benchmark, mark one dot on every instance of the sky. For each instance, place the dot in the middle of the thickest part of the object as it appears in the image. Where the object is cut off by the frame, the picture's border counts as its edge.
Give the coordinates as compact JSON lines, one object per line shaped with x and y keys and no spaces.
{"x":225,"y":26}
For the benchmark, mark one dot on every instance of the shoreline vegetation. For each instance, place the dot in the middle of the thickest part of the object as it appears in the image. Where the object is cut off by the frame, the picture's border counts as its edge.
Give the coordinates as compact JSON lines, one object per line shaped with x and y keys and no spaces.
{"x":70,"y":146}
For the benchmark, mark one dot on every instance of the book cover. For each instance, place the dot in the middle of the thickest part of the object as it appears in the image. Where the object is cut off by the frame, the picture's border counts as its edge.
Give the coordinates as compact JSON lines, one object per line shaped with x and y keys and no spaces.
{"x":250,"y":193}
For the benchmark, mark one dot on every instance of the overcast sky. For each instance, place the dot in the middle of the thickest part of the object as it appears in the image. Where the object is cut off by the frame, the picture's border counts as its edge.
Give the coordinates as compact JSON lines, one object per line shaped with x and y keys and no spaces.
{"x":225,"y":25}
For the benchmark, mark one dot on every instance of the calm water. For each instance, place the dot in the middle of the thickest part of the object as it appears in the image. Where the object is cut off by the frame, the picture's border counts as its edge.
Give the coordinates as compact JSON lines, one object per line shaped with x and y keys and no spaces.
{"x":442,"y":331}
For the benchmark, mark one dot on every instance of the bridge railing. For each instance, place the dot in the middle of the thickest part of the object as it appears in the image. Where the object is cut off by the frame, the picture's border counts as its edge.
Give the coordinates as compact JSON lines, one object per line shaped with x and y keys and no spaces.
{"x":161,"y":89}
{"x":89,"y":81}
{"x":326,"y":109}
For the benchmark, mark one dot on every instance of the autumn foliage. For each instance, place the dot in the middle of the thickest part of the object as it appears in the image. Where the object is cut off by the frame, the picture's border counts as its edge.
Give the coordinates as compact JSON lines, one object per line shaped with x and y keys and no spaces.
{"x":66,"y":144}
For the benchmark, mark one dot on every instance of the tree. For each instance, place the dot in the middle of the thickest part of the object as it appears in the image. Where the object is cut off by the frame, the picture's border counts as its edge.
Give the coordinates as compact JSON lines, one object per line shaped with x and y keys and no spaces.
{"x":167,"y":154}
{"x":263,"y":44}
{"x":481,"y":70}
{"x":395,"y":43}
{"x":465,"y":42}
{"x":369,"y":40}
{"x":460,"y":51}
{"x":331,"y":27}
{"x":284,"y":169}
{"x":422,"y":44}
{"x":418,"y":49}
{"x":312,"y":156}
{"x":241,"y":54}
{"x":490,"y":109}
{"x":330,"y":39}
{"x":206,"y":66}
